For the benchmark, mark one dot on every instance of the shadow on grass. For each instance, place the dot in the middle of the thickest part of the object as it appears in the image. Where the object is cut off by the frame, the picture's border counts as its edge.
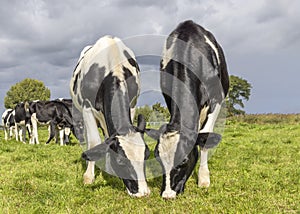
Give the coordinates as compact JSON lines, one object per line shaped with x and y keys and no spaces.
{"x":107,"y":179}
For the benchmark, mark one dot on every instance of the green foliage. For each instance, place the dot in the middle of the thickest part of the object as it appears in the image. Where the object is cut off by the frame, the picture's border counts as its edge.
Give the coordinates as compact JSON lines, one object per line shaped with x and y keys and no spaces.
{"x":255,"y":169}
{"x":155,"y":113}
{"x":266,"y":119}
{"x":26,"y":90}
{"x":239,"y":90}
{"x":145,"y":111}
{"x":160,"y":113}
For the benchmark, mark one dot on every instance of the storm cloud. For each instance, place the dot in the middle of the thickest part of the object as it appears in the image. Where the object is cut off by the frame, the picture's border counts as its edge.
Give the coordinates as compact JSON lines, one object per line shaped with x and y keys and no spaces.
{"x":261,"y":39}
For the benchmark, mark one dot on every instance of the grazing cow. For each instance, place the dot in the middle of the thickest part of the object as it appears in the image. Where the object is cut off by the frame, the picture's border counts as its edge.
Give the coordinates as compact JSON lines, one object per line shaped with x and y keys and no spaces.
{"x":104,"y":87}
{"x":77,"y":120}
{"x":8,"y":121}
{"x":22,"y":121}
{"x":53,"y":113}
{"x":194,"y":82}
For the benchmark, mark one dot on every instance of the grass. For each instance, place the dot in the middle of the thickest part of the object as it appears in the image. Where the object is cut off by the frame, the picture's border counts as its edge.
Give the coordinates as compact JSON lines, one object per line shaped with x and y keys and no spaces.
{"x":256,"y":169}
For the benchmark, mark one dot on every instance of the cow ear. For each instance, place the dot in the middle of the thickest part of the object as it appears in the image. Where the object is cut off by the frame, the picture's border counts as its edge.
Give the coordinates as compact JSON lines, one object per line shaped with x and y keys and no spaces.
{"x":155,"y":134}
{"x":98,"y":151}
{"x":208,"y":140}
{"x":141,"y":123}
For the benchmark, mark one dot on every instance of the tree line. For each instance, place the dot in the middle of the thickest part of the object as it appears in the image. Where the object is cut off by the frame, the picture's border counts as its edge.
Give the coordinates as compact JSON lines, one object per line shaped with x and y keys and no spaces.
{"x":31,"y":89}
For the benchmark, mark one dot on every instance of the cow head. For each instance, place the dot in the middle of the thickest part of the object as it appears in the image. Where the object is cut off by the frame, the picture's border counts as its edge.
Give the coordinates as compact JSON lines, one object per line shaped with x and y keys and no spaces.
{"x":126,"y":155}
{"x":177,"y":153}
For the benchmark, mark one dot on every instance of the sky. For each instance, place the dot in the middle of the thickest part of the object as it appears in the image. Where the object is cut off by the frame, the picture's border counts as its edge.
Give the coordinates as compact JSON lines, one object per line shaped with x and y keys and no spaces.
{"x":261,"y":40}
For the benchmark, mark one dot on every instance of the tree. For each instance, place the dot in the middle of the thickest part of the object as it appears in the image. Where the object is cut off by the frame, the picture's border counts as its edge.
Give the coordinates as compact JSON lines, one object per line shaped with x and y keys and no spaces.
{"x":161,"y":113}
{"x":239,"y":90}
{"x":26,"y":90}
{"x":145,"y":111}
{"x":156,"y":113}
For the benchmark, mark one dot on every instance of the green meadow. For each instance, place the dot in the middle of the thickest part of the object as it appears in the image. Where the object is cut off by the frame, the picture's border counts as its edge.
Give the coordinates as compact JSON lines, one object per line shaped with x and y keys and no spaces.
{"x":255,"y":169}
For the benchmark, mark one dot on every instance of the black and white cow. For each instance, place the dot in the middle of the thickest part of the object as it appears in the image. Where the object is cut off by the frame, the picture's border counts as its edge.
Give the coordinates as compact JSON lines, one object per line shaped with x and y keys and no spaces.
{"x":8,"y":122}
{"x":194,"y":82}
{"x":53,"y":113}
{"x":77,"y":119}
{"x":22,"y":121}
{"x":104,"y":87}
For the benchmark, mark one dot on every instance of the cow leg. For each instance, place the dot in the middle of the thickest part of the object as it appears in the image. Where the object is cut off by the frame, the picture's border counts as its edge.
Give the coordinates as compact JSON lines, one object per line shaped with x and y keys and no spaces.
{"x":92,"y":138}
{"x":28,"y":127}
{"x":51,"y":132}
{"x":5,"y":133}
{"x":35,"y":134}
{"x":61,"y":136}
{"x":11,"y":132}
{"x":22,"y":134}
{"x":16,"y":132}
{"x":57,"y":132}
{"x":66,"y":134}
{"x":203,"y":175}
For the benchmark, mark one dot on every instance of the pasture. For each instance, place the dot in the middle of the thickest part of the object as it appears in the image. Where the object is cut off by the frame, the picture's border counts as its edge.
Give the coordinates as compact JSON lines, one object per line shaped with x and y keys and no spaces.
{"x":255,"y":169}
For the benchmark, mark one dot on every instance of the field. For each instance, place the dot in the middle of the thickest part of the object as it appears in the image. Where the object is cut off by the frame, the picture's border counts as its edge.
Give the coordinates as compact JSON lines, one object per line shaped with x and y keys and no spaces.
{"x":255,"y":169}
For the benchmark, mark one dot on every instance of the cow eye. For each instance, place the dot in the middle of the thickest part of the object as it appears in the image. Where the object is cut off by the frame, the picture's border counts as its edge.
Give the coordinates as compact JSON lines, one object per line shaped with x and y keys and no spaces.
{"x":185,"y":161}
{"x":120,"y":160}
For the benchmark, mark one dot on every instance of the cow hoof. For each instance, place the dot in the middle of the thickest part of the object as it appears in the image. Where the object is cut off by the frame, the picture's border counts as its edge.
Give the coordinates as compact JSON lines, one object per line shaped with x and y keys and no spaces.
{"x":204,"y":180}
{"x":87,"y":180}
{"x":140,"y":194}
{"x":169,"y":194}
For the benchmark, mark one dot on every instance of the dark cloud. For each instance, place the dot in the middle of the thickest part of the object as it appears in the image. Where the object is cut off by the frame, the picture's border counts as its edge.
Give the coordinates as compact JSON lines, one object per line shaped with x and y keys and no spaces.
{"x":43,"y":39}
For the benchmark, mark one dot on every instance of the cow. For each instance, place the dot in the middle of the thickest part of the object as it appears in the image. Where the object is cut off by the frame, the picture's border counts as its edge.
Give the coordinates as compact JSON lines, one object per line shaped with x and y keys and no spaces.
{"x":77,"y":120}
{"x":22,"y":121}
{"x":53,"y":113}
{"x":104,"y":87}
{"x":194,"y":82}
{"x":8,"y":122}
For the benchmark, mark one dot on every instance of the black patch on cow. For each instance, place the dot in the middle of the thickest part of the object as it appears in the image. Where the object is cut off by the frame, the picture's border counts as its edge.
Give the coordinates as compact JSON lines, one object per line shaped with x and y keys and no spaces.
{"x":114,"y":103}
{"x":7,"y":117}
{"x":91,"y":82}
{"x":131,"y":60}
{"x":75,"y":83}
{"x":20,"y":114}
{"x":132,"y":86}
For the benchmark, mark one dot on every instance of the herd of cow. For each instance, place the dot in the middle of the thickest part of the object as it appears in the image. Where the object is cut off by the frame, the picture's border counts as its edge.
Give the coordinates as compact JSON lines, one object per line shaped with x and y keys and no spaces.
{"x":60,"y":116}
{"x":104,"y":88}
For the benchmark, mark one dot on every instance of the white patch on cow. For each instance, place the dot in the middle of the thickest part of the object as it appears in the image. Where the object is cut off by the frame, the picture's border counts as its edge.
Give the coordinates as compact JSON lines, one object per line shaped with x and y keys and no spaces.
{"x":93,"y":139}
{"x":84,"y":50}
{"x":100,"y":117}
{"x":67,"y":131}
{"x":167,"y":149}
{"x":132,"y":113}
{"x":207,"y":40}
{"x":203,"y":115}
{"x":167,"y":55}
{"x":211,"y":120}
{"x":134,"y":148}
